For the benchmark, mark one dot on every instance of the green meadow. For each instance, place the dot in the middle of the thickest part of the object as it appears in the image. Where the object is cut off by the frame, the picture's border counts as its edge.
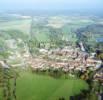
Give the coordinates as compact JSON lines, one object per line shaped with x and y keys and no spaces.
{"x":32,"y":86}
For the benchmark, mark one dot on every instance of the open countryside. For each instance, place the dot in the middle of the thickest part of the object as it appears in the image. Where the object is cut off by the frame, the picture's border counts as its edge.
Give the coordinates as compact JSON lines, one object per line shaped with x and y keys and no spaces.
{"x":51,"y":54}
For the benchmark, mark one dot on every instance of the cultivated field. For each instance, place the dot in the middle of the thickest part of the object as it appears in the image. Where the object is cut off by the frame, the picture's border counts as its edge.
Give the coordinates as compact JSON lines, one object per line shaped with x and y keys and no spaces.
{"x":41,"y":87}
{"x":22,"y":25}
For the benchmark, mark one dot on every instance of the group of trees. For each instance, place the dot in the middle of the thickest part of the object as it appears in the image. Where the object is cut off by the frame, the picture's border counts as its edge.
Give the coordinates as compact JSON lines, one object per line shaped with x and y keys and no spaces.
{"x":54,"y":36}
{"x":8,"y":79}
{"x":89,"y":35}
{"x":8,"y":74}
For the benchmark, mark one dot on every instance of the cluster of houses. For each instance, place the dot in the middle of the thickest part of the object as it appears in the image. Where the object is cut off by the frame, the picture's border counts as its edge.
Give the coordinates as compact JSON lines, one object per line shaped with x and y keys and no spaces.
{"x":67,"y":59}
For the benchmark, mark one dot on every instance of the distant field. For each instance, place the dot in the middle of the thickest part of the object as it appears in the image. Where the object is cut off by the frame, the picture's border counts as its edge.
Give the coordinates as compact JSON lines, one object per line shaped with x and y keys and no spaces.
{"x":38,"y":87}
{"x":75,"y":22}
{"x":66,"y":24}
{"x":22,"y":25}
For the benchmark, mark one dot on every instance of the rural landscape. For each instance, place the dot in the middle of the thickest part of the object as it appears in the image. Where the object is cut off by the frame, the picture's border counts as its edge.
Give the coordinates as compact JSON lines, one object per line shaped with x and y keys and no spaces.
{"x":51,"y":56}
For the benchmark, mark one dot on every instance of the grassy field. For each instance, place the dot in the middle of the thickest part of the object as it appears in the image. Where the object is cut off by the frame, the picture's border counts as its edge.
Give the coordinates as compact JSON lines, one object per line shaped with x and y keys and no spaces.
{"x":66,"y":25}
{"x":22,"y":25}
{"x":39,"y":87}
